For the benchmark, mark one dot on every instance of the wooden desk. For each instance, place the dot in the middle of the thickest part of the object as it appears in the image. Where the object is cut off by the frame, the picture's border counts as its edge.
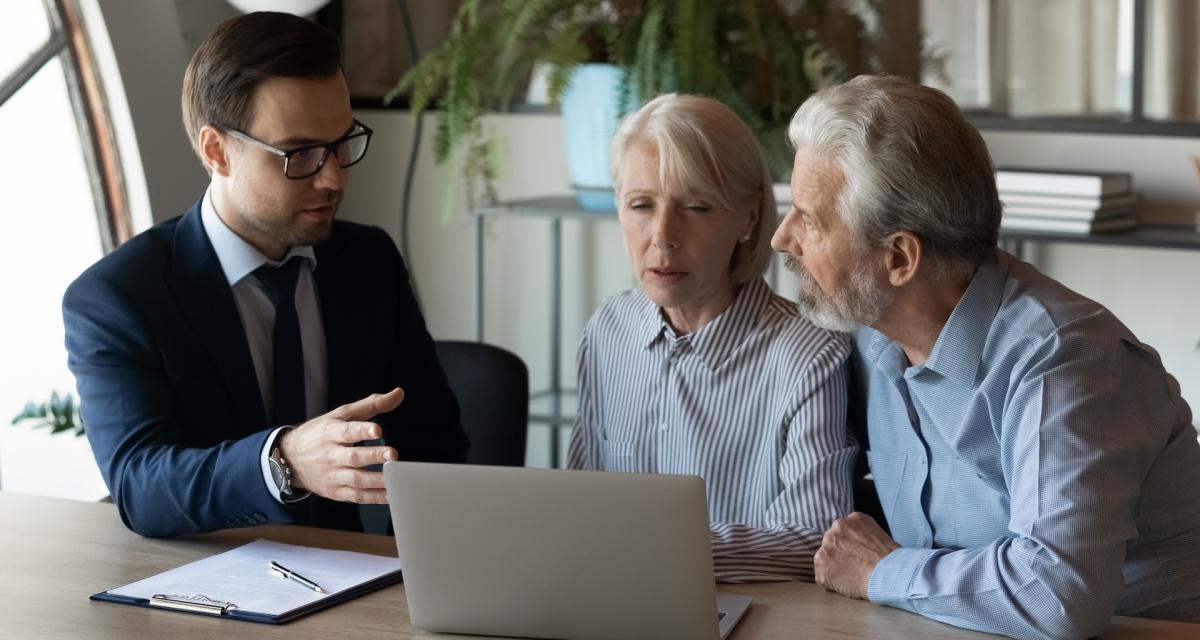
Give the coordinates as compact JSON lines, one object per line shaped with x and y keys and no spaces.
{"x":55,"y":553}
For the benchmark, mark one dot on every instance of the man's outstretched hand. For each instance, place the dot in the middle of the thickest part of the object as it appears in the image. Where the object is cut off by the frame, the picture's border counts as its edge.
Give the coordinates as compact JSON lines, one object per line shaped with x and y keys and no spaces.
{"x":323,"y":457}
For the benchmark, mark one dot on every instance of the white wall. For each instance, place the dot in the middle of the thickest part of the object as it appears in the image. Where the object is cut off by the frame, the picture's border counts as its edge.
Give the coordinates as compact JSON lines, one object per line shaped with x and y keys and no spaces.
{"x":150,"y":56}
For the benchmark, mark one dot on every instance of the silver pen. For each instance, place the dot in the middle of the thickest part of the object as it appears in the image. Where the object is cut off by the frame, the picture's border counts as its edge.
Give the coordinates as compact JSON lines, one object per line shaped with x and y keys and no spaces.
{"x":284,"y":572}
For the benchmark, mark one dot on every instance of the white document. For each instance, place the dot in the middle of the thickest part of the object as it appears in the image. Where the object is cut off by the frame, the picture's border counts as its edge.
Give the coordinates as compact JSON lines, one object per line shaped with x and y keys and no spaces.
{"x":240,"y":576}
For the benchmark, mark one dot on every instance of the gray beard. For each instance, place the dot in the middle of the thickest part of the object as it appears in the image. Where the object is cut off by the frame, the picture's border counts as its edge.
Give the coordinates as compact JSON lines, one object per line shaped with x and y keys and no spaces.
{"x":859,"y":305}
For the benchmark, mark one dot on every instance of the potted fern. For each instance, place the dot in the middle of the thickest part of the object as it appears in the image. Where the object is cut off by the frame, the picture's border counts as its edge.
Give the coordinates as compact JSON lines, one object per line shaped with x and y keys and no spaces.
{"x":761,"y":57}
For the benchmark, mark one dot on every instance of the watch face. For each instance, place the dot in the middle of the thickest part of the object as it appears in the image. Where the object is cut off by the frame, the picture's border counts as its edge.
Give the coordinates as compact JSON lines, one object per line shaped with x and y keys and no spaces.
{"x":278,"y":477}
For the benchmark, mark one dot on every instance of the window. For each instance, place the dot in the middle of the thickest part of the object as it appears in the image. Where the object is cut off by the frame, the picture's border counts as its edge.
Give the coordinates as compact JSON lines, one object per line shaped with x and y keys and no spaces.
{"x":1117,"y":66}
{"x":63,"y":207}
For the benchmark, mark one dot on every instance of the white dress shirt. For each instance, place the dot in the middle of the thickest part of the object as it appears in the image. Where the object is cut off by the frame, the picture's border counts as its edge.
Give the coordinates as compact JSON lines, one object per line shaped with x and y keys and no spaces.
{"x":239,"y":260}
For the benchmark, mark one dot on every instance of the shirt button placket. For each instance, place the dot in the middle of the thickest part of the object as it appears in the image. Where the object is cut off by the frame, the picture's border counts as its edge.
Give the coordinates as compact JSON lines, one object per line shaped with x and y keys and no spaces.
{"x":669,"y":401}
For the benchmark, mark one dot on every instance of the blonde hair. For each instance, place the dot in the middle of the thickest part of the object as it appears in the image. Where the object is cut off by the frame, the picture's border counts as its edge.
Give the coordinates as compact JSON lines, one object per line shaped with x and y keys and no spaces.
{"x":705,"y":148}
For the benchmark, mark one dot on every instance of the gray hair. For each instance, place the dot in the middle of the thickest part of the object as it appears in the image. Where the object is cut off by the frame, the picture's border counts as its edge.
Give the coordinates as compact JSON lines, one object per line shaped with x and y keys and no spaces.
{"x":911,"y":162}
{"x":706,"y":148}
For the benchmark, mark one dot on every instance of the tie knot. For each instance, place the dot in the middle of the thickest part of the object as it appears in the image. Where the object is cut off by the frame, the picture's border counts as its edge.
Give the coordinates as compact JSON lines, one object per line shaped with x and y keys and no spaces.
{"x":280,"y":282}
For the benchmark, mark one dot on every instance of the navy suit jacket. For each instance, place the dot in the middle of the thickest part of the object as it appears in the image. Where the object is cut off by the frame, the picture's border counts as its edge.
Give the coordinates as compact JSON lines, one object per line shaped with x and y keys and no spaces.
{"x":168,"y":391}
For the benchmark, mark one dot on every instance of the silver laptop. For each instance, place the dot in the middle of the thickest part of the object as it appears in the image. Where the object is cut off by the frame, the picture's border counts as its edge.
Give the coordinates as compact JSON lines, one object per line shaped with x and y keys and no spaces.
{"x":570,"y":555}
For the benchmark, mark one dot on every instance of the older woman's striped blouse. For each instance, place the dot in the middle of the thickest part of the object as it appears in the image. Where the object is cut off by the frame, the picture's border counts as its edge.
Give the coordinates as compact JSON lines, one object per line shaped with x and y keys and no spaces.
{"x":754,"y":402}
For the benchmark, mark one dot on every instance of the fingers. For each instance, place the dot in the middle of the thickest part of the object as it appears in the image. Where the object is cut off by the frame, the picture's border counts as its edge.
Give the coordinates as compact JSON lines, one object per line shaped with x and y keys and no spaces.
{"x":363,"y":456}
{"x":361,"y":496}
{"x":351,"y":432}
{"x":820,"y":568}
{"x":859,"y":516}
{"x":362,"y":487}
{"x":359,"y":479}
{"x":370,"y":406}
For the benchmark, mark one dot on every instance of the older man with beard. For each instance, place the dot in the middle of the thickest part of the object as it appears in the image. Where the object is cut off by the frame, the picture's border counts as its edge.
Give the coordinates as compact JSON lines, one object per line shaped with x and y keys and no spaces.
{"x":1036,"y":464}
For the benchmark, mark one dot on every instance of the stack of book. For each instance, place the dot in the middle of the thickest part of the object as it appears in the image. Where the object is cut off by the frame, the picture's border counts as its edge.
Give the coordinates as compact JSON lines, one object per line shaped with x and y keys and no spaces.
{"x":1066,"y":201}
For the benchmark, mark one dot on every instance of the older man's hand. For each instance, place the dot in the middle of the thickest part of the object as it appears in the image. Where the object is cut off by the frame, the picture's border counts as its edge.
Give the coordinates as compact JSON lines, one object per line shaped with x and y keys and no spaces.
{"x":849,"y":552}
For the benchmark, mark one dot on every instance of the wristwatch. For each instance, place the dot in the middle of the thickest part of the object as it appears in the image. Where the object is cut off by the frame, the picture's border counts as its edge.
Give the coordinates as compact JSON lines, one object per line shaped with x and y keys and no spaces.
{"x":281,"y":473}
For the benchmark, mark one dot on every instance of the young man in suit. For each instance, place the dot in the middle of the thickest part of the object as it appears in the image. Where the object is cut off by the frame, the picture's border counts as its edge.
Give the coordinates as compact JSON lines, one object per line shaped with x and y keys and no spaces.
{"x":229,"y":360}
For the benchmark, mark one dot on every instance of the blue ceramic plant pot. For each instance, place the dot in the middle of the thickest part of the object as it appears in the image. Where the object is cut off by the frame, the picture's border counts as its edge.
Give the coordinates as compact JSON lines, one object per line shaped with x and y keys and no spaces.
{"x":590,"y":112}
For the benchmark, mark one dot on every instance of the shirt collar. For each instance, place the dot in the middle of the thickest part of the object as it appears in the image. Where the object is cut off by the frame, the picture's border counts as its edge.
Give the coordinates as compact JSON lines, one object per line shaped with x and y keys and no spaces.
{"x":717,"y":340}
{"x":887,"y":355}
{"x":237,"y":257}
{"x":958,"y":350}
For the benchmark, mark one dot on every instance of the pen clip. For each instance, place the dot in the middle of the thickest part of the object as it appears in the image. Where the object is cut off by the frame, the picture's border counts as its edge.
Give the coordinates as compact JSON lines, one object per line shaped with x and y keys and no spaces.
{"x":198,"y":603}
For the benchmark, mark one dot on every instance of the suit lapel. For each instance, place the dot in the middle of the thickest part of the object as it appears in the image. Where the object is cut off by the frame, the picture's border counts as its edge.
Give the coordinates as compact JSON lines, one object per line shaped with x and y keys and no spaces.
{"x":206,"y":300}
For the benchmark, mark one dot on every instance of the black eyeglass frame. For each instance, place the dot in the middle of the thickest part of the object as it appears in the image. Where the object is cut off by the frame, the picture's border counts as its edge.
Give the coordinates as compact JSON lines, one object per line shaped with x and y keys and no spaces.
{"x":358,"y":130}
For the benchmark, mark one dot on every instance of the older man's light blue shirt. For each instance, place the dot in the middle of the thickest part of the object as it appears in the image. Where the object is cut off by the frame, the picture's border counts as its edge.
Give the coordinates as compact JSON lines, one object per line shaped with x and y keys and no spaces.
{"x":1040,"y":469}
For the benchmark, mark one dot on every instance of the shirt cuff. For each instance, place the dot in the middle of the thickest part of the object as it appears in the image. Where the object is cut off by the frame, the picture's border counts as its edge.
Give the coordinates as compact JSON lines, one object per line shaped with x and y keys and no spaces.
{"x":265,"y":461}
{"x":891,"y":581}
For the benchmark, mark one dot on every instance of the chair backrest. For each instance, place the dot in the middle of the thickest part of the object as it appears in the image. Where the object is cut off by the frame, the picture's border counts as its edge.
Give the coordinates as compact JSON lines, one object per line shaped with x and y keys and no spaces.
{"x":492,"y":387}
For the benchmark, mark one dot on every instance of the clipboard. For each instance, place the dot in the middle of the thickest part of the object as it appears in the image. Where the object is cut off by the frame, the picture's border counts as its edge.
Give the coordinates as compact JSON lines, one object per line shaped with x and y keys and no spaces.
{"x":196,"y":588}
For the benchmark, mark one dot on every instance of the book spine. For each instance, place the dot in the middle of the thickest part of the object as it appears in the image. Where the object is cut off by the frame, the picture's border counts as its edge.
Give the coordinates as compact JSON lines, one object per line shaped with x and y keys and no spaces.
{"x":1091,"y":186}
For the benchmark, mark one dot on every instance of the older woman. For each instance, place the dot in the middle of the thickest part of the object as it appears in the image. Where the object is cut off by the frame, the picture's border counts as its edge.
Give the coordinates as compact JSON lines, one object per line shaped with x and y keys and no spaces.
{"x":703,"y":370}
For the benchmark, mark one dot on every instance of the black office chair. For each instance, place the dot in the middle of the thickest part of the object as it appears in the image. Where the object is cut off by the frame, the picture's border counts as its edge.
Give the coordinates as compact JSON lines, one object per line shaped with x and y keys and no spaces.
{"x":492,"y":387}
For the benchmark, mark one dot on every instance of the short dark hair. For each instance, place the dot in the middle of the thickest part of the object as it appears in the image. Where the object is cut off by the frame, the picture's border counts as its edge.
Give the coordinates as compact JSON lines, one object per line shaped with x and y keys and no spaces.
{"x":244,"y":51}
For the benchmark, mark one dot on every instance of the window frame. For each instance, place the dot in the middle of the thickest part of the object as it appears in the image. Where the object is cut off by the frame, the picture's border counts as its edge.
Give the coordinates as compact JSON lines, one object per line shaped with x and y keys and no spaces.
{"x":1135,"y":124}
{"x":69,"y":43}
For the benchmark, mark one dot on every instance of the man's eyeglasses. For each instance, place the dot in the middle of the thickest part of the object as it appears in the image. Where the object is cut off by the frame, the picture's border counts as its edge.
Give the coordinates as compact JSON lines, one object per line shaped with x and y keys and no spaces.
{"x":305,"y":161}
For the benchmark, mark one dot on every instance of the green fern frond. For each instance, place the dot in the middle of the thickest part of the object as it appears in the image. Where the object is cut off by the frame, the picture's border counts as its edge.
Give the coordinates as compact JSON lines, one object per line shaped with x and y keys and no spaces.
{"x":557,"y":81}
{"x":625,"y":102}
{"x":520,"y":22}
{"x":565,"y":55}
{"x":424,"y":81}
{"x":789,"y":82}
{"x":685,"y":28}
{"x":704,"y":54}
{"x":647,"y":68}
{"x":751,"y":14}
{"x":524,"y":16}
{"x":441,"y":141}
{"x":468,"y":17}
{"x":451,"y":185}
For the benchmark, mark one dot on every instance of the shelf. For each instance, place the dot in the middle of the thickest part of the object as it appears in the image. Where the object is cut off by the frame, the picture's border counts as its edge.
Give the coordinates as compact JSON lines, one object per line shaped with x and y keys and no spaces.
{"x":541,"y":407}
{"x":547,"y":207}
{"x":1148,"y":237}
